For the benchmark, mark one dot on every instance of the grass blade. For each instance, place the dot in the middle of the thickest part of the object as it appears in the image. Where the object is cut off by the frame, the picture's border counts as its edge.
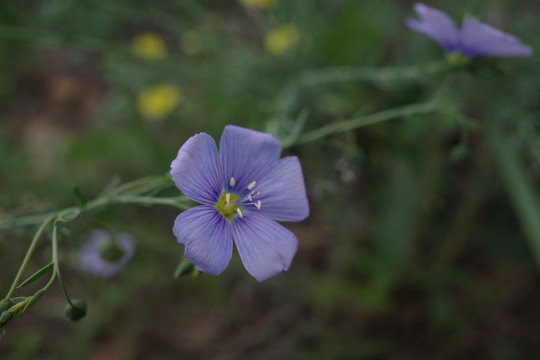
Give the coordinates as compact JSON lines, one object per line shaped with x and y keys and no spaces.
{"x":519,"y":187}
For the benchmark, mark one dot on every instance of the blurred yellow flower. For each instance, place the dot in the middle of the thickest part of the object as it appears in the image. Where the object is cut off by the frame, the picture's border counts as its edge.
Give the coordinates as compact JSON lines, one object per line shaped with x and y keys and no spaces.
{"x":261,"y":4}
{"x":191,"y":43}
{"x":279,"y":40}
{"x":149,"y":46}
{"x":159,"y":101}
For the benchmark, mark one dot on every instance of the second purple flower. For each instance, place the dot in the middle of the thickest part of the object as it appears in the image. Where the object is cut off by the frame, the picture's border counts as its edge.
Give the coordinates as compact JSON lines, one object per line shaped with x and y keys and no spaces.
{"x":474,"y":39}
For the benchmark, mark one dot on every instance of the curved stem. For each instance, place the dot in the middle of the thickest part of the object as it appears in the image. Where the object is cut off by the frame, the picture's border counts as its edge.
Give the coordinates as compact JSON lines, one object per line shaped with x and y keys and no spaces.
{"x":289,"y":96}
{"x":361,"y":121}
{"x":29,"y":253}
{"x":419,"y":108}
{"x":57,"y":263}
{"x":128,"y":193}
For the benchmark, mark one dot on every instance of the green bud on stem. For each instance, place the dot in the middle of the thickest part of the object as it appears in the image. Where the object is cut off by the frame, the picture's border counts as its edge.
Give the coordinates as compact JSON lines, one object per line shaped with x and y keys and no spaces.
{"x":5,"y":317}
{"x":185,"y":267}
{"x":5,"y":304}
{"x":76,"y":311}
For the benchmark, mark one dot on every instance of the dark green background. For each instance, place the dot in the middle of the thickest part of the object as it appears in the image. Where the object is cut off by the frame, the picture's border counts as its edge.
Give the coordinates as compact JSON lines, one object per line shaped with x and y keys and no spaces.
{"x":416,"y":247}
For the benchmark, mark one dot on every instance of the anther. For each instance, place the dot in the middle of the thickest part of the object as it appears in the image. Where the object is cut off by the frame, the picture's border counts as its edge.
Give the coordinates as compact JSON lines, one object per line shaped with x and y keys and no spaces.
{"x":252,"y":185}
{"x":249,"y":197}
{"x":232,"y":182}
{"x":227,"y":198}
{"x":258,"y":205}
{"x":240,"y":212}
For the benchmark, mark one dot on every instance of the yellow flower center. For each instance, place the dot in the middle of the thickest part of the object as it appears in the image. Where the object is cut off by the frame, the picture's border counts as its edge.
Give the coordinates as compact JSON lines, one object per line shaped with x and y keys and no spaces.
{"x":230,"y":205}
{"x":227,"y":206}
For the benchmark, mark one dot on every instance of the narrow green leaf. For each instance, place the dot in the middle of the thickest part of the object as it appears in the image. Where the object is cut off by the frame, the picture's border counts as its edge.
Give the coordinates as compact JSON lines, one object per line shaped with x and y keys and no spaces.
{"x":19,"y":299}
{"x":36,"y":275}
{"x":34,"y":299}
{"x":520,"y":187}
{"x":79,"y":195}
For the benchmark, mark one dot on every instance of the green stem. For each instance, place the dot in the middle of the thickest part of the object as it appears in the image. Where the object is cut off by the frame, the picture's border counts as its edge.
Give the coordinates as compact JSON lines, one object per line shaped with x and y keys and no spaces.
{"x":144,"y":183}
{"x":362,"y":121}
{"x":124,"y":194}
{"x":57,"y":263}
{"x":29,"y":253}
{"x":51,"y":280}
{"x":289,"y":96}
{"x":343,"y":74}
{"x":148,"y":200}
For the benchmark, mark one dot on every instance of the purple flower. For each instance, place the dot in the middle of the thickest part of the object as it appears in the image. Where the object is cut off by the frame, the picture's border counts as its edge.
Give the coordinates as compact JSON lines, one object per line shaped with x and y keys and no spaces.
{"x":244,"y":189}
{"x":472,"y":40}
{"x":103,"y":257}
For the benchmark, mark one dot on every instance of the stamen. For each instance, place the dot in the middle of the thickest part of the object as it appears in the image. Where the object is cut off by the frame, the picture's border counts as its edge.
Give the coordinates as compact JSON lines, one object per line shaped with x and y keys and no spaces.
{"x":258,"y":205}
{"x":227,"y":198}
{"x":252,"y":185}
{"x":232,"y":182}
{"x":240,"y":212}
{"x":249,"y":197}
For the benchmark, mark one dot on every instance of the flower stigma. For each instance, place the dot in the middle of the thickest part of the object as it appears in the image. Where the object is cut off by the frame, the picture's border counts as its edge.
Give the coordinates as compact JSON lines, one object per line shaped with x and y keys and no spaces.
{"x":230,"y":205}
{"x":227,"y":205}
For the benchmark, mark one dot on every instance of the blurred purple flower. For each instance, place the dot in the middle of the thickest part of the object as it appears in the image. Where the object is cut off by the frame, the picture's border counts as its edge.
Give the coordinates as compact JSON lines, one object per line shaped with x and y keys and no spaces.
{"x":101,"y":257}
{"x":244,"y":189}
{"x":472,"y":40}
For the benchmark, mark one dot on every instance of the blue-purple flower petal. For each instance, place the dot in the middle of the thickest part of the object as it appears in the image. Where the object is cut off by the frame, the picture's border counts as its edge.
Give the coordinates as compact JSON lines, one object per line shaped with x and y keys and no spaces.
{"x":247,"y":155}
{"x":437,"y":25}
{"x":197,"y":170}
{"x":265,"y":247}
{"x":207,"y":237}
{"x":473,"y":39}
{"x":283,"y":192}
{"x":479,"y":39}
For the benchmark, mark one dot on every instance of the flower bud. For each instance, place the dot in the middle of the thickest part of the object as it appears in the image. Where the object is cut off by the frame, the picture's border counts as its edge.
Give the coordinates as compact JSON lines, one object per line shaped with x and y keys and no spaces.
{"x":5,"y":317}
{"x":185,"y":267}
{"x":5,"y":304}
{"x":76,"y":310}
{"x":111,"y":252}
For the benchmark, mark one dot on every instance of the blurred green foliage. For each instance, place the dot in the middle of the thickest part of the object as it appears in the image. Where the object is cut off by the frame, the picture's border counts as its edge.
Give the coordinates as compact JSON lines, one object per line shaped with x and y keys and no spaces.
{"x":422,"y":238}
